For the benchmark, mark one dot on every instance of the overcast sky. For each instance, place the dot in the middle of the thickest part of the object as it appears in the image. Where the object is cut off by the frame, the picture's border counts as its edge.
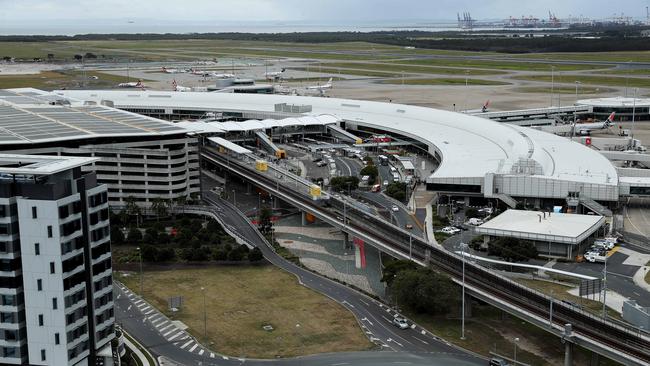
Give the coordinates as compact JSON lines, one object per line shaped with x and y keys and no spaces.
{"x":334,"y":11}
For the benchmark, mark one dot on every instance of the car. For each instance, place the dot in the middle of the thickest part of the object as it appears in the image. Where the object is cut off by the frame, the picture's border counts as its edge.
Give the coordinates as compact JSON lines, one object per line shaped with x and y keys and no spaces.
{"x":408,"y":226}
{"x":385,"y":183}
{"x":395,"y":208}
{"x":450,"y":230}
{"x":495,"y":361}
{"x":400,"y":322}
{"x":317,"y":160}
{"x":475,"y":221}
{"x":321,"y":163}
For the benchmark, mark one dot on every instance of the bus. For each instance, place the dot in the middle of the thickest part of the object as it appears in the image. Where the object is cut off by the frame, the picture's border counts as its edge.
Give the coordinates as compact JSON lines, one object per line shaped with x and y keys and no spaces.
{"x":383,"y":159}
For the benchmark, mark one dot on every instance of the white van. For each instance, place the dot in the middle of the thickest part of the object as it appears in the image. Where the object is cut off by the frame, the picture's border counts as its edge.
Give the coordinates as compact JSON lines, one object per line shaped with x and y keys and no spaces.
{"x":475,"y":221}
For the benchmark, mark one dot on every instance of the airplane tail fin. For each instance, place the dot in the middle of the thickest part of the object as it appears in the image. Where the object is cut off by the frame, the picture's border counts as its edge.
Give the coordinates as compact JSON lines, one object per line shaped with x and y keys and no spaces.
{"x":610,"y":119}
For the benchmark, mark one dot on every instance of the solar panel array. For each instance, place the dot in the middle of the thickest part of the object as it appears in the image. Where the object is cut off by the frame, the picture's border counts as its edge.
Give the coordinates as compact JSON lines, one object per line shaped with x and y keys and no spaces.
{"x":30,"y":117}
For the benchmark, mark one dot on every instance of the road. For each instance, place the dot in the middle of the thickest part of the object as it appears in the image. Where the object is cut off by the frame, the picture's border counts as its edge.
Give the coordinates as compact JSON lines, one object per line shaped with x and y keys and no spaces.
{"x":413,"y":346}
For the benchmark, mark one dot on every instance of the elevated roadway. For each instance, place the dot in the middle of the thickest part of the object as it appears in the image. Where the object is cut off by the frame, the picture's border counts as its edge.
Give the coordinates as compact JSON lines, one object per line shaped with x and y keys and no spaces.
{"x":621,"y":343}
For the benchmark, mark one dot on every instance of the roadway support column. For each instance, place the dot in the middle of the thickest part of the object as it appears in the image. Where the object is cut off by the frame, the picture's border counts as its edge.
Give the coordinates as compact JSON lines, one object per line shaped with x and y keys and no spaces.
{"x":303,"y":216}
{"x":249,"y":189}
{"x":346,"y":240}
{"x":568,"y":345}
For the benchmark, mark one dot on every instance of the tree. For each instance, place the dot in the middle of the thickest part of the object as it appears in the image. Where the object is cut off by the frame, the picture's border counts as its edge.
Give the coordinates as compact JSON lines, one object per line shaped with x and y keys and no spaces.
{"x":512,"y":249}
{"x":50,"y":56}
{"x":131,"y":206}
{"x":149,"y":253}
{"x":394,"y":267}
{"x":134,"y":235}
{"x":255,"y":255}
{"x":159,"y":207}
{"x":78,"y":57}
{"x":236,"y":254}
{"x":89,"y":55}
{"x":117,"y":236}
{"x":166,"y":255}
{"x":342,"y":184}
{"x":471,"y":212}
{"x":396,"y":190}
{"x":370,"y":171}
{"x":368,"y":160}
{"x":424,"y":291}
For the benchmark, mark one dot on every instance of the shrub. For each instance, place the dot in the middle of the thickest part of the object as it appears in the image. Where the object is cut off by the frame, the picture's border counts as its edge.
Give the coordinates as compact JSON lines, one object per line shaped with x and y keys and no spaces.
{"x":134,"y":236}
{"x":255,"y":255}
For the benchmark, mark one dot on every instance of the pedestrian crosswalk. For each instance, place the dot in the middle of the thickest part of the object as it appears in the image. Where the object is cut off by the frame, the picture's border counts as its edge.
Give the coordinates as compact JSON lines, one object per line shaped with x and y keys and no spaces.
{"x":165,"y":327}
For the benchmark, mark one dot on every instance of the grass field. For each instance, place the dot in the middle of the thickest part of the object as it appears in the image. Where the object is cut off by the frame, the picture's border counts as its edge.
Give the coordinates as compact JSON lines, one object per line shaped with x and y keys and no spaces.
{"x":240,"y":300}
{"x":593,"y":80}
{"x":621,"y":56}
{"x":562,"y":90}
{"x":399,"y":68}
{"x":647,"y":275}
{"x":443,"y":81}
{"x":50,"y":80}
{"x":498,"y":65}
{"x":634,"y":72}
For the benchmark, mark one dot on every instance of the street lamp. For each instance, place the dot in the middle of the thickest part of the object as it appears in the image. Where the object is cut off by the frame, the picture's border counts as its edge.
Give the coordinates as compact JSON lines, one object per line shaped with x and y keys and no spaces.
{"x":550,"y":317}
{"x":205,"y":317}
{"x":633,"y":112}
{"x":605,"y":289}
{"x":259,"y":207}
{"x":141,"y":273}
{"x":515,"y":354}
{"x":462,"y":329}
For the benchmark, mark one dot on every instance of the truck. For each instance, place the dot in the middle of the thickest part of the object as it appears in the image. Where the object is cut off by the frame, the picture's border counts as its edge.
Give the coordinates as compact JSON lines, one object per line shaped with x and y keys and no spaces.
{"x":595,"y":257}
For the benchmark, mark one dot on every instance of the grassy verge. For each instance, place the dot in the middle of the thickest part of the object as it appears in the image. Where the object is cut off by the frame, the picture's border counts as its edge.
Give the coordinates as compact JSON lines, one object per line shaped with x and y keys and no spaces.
{"x":499,"y":65}
{"x":637,"y":72}
{"x":562,"y":90}
{"x":329,"y":70}
{"x":241,"y":300}
{"x":559,"y":292}
{"x":621,"y":56}
{"x":490,"y":330}
{"x":399,"y":68}
{"x":593,"y":80}
{"x":443,"y":81}
{"x":647,"y":275}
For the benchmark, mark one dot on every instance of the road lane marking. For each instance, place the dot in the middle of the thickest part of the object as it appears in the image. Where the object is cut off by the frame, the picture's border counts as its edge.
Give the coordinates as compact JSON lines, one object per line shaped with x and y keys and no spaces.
{"x":194,"y":347}
{"x":186,"y":344}
{"x":421,"y":340}
{"x":167,"y":327}
{"x":201,"y":351}
{"x":175,"y":336}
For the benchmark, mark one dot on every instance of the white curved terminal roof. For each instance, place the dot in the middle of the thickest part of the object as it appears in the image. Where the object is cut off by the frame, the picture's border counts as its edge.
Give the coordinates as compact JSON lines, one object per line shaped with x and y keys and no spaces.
{"x":253,"y":124}
{"x":469,"y":146}
{"x":616,"y":102}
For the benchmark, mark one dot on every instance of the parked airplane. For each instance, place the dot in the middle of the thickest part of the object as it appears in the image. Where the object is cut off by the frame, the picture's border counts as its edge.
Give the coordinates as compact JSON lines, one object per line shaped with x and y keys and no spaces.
{"x":274,"y":75}
{"x":322,"y":88}
{"x":179,"y":88}
{"x":585,"y":129}
{"x":200,"y":72}
{"x":222,"y":76}
{"x":171,"y":71}
{"x":483,"y":109}
{"x":132,"y":84}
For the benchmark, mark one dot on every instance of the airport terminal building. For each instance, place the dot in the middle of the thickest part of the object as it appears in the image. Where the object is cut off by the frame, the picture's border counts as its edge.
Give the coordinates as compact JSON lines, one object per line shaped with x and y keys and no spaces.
{"x":138,"y":156}
{"x":477,"y":157}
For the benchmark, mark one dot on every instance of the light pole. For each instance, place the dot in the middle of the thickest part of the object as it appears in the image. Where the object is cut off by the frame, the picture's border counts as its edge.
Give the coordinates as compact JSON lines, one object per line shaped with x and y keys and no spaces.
{"x":466,"y":89}
{"x":634,"y":112}
{"x":550,"y":317}
{"x":462,"y":329}
{"x":141,"y":273}
{"x":515,"y":353}
{"x":259,"y":206}
{"x":605,"y":289}
{"x":205,"y":317}
{"x":410,"y":245}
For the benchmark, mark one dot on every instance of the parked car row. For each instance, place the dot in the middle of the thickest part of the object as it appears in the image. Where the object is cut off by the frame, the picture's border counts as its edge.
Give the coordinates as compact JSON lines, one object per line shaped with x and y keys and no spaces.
{"x":597,"y":252}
